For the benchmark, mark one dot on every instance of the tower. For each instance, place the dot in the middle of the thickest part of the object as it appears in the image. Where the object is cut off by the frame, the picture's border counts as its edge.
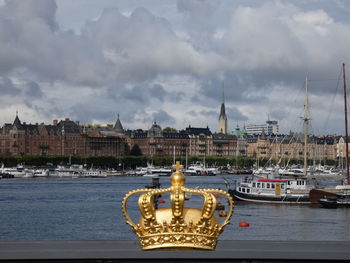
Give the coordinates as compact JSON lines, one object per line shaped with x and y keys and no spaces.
{"x":222,"y":117}
{"x":118,"y":127}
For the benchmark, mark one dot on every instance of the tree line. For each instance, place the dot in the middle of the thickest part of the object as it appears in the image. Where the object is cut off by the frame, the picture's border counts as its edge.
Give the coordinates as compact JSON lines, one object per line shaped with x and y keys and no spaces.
{"x":131,"y":162}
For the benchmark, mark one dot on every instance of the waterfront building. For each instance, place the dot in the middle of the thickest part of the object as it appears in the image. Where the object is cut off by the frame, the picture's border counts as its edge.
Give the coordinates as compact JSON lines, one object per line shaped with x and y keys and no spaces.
{"x":192,"y":141}
{"x":291,"y":146}
{"x":224,"y":145}
{"x":201,"y":141}
{"x":155,"y":142}
{"x":65,"y":137}
{"x":270,"y":127}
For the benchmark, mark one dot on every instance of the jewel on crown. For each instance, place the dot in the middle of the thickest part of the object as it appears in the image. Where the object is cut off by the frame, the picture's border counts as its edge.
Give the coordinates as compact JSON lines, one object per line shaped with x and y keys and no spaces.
{"x":177,"y":226}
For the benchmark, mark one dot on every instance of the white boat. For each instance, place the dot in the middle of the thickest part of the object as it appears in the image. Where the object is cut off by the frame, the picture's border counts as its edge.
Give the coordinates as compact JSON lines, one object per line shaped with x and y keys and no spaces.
{"x":264,"y":171}
{"x":291,"y":172}
{"x":41,"y":173}
{"x":18,"y":172}
{"x":272,"y":191}
{"x":150,"y":169}
{"x":151,"y":174}
{"x":75,"y":171}
{"x":199,"y":168}
{"x":95,"y":173}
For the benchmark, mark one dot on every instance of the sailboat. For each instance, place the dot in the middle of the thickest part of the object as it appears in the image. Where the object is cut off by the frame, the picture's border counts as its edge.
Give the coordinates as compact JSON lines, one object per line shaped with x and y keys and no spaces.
{"x":340,"y":196}
{"x":272,"y":190}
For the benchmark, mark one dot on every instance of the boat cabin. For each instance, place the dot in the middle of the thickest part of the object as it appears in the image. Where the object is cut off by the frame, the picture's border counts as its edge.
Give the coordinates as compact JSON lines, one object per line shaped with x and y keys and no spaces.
{"x":268,"y":186}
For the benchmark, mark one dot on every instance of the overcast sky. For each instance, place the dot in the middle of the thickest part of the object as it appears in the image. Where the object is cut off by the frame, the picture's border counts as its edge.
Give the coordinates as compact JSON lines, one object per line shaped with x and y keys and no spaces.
{"x":168,"y":61}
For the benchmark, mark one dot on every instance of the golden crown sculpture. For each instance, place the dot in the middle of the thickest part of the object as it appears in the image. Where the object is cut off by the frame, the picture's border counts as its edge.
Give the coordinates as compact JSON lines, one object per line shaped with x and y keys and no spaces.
{"x":178,"y":227}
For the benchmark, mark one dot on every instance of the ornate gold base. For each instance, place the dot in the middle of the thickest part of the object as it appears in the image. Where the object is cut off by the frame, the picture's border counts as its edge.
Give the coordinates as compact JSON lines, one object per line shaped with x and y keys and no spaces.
{"x":178,"y":242}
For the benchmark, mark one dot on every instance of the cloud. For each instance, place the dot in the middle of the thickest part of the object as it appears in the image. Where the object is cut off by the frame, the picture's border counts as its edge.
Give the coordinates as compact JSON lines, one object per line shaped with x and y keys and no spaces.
{"x":128,"y":60}
{"x":158,"y":92}
{"x":7,"y":87}
{"x":34,"y":90}
{"x":163,"y":118}
{"x":236,"y":114}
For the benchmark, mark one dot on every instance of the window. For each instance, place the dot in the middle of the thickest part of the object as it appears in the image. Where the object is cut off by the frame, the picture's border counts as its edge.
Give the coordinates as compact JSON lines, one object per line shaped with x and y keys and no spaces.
{"x":248,"y":190}
{"x":258,"y":185}
{"x":267,"y":185}
{"x":254,"y":184}
{"x":262,"y":185}
{"x":273,"y":186}
{"x":282,"y":186}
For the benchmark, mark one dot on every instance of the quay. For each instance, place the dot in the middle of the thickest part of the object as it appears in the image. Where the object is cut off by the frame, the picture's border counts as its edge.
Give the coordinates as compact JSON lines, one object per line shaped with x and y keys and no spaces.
{"x":129,"y":251}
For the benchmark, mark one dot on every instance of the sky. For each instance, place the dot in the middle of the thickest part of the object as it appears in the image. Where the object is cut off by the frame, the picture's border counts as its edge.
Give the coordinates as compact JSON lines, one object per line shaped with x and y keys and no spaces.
{"x":169,"y":62}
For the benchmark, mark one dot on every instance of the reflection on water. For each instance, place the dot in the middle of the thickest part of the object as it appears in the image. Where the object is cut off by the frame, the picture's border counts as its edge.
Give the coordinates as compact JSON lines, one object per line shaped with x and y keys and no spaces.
{"x":90,"y":209}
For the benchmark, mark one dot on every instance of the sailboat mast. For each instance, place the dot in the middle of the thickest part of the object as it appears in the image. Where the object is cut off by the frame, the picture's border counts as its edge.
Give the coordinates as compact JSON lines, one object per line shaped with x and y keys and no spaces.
{"x":306,"y":126}
{"x":346,"y":128}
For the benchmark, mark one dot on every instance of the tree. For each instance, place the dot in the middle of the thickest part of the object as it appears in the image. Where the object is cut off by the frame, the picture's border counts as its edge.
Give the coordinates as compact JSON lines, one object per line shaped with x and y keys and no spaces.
{"x":169,"y":129}
{"x":135,"y":150}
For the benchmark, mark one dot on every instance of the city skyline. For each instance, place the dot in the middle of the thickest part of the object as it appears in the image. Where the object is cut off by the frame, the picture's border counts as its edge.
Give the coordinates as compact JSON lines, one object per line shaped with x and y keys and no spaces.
{"x":167,"y":61}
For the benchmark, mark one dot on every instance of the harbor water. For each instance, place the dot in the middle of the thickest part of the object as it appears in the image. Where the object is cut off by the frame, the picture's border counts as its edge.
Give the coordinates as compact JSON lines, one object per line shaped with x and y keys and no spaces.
{"x":90,"y":209}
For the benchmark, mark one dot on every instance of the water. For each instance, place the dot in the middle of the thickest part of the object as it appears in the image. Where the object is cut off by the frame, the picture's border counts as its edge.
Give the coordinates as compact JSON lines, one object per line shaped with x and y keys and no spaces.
{"x":90,"y":209}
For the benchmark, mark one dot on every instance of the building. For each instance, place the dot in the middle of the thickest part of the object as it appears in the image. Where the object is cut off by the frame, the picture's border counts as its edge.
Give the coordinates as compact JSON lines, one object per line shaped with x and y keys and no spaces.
{"x":65,"y":137}
{"x":155,"y":142}
{"x":242,"y":144}
{"x":224,"y":145}
{"x":270,"y":127}
{"x":291,"y":146}
{"x":201,"y":141}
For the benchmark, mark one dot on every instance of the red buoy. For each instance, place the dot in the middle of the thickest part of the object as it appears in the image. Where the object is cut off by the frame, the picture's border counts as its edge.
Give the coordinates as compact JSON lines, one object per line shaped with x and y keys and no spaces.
{"x":243,"y":224}
{"x":217,"y":195}
{"x":161,"y":201}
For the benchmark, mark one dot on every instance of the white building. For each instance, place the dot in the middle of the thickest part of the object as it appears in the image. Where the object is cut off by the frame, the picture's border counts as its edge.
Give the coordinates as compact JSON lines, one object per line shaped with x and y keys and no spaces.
{"x":270,"y":127}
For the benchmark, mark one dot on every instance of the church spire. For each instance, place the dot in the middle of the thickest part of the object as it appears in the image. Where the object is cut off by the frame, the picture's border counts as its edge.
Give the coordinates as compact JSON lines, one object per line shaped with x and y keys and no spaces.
{"x":222,"y":117}
{"x":223,"y":93}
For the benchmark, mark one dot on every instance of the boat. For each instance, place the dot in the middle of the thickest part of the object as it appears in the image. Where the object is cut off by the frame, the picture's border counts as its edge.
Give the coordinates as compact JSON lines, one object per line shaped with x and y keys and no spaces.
{"x":17,"y":172}
{"x":291,"y":172}
{"x":94,"y":173}
{"x":198,"y":168}
{"x":75,"y":171}
{"x":273,"y":189}
{"x":340,"y":195}
{"x":151,"y":169}
{"x":263,"y":171}
{"x":41,"y":173}
{"x":337,"y":201}
{"x":150,"y":173}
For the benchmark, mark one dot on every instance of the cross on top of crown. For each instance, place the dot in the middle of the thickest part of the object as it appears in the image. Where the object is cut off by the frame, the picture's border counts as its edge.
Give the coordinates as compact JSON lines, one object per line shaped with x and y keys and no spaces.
{"x":177,"y":166}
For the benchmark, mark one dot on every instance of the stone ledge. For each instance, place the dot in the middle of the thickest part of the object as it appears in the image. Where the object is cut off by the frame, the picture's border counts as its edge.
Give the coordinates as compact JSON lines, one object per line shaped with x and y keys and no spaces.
{"x":126,"y":251}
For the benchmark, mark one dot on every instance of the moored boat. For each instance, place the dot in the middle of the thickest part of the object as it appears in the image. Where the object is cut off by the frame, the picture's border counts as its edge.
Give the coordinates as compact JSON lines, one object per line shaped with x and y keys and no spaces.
{"x":272,"y":191}
{"x":199,"y":168}
{"x":340,"y":200}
